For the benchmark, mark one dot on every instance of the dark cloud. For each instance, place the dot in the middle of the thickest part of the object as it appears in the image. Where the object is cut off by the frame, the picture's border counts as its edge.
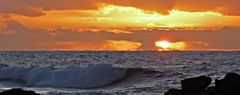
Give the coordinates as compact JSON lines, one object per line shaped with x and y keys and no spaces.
{"x":62,"y":4}
{"x":15,"y":36}
{"x":226,"y":7}
{"x":17,"y":7}
{"x":36,"y":7}
{"x":25,"y":38}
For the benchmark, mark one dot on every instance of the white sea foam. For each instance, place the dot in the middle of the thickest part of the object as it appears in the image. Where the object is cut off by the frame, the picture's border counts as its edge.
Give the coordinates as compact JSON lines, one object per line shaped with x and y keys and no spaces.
{"x":71,"y":77}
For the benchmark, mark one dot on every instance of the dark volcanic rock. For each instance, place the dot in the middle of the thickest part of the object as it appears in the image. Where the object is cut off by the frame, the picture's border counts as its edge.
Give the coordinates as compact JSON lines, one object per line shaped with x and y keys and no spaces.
{"x":230,"y":85}
{"x":180,"y":92}
{"x":18,"y":92}
{"x":211,"y":91}
{"x":196,"y":85}
{"x":232,"y":77}
{"x":192,"y":86}
{"x":174,"y":92}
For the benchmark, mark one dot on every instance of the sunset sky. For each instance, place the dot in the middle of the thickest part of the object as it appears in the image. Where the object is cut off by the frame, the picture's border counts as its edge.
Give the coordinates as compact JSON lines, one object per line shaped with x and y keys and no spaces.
{"x":119,"y":25}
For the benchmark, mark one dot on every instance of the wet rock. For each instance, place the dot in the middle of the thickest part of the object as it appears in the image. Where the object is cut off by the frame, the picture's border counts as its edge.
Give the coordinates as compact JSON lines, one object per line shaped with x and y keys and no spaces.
{"x":196,"y":85}
{"x":18,"y":92}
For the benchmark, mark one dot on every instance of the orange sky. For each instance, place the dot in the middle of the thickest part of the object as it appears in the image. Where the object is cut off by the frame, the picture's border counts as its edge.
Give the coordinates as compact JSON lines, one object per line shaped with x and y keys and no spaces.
{"x":119,"y":24}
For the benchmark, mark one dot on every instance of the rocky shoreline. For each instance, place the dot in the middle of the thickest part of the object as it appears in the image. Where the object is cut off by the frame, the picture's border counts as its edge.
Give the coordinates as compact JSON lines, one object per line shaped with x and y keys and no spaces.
{"x":229,"y":85}
{"x":18,"y":91}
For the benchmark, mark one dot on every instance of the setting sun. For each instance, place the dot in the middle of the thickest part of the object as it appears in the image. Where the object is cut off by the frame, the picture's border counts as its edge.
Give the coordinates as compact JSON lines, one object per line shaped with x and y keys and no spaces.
{"x":163,"y":44}
{"x":166,"y":46}
{"x":119,"y":25}
{"x":100,"y":44}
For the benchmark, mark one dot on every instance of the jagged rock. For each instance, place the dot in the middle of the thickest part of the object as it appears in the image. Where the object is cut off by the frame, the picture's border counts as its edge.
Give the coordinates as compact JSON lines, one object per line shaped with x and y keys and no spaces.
{"x":196,"y":85}
{"x":230,"y":85}
{"x":211,"y":91}
{"x":18,"y":92}
{"x":180,"y":92}
{"x":174,"y":92}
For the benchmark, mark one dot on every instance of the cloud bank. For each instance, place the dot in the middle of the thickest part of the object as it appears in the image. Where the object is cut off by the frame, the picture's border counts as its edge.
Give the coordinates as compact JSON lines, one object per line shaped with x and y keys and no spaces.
{"x":37,"y":7}
{"x":16,"y":36}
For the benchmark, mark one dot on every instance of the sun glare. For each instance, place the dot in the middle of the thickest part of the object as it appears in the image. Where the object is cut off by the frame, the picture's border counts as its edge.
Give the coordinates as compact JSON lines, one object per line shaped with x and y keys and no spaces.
{"x":166,"y":46}
{"x":163,"y":44}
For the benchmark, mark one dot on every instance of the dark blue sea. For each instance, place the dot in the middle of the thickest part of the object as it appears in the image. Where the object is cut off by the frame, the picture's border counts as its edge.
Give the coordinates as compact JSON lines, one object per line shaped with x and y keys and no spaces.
{"x":110,"y":72}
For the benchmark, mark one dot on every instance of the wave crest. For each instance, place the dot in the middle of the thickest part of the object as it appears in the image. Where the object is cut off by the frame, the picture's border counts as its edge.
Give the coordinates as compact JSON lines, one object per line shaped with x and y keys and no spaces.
{"x":73,"y":76}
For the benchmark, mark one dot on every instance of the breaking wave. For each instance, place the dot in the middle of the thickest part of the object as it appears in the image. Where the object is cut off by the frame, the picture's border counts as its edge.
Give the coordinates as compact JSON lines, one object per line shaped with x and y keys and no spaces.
{"x":73,"y":76}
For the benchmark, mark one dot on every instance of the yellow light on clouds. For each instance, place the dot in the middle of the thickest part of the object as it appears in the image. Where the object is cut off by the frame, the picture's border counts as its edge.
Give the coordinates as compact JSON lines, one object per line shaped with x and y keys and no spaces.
{"x":121,"y":45}
{"x":112,"y":17}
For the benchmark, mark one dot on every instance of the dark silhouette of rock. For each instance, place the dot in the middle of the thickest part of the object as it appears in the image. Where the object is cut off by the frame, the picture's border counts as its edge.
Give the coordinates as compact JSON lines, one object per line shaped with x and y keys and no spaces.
{"x":196,"y":85}
{"x":211,"y":91}
{"x":174,"y":92}
{"x":192,"y":86}
{"x":232,"y":77}
{"x":180,"y":92}
{"x":18,"y":92}
{"x":230,"y":85}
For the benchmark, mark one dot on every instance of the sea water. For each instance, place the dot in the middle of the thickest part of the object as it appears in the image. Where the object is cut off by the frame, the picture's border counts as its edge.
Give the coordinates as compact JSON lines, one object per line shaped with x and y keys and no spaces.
{"x":110,"y":72}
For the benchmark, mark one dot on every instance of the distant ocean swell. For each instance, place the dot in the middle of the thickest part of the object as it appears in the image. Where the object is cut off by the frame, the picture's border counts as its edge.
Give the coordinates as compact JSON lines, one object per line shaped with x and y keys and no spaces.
{"x":93,"y":76}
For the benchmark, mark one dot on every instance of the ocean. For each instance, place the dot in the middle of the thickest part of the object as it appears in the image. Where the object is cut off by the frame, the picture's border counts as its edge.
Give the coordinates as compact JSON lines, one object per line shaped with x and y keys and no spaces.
{"x":110,"y":72}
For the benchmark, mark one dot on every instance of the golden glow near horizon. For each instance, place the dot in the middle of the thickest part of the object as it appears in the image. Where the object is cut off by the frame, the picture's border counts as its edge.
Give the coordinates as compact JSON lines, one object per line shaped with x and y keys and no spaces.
{"x":166,"y":46}
{"x":121,"y":45}
{"x":118,"y":25}
{"x":111,"y":16}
